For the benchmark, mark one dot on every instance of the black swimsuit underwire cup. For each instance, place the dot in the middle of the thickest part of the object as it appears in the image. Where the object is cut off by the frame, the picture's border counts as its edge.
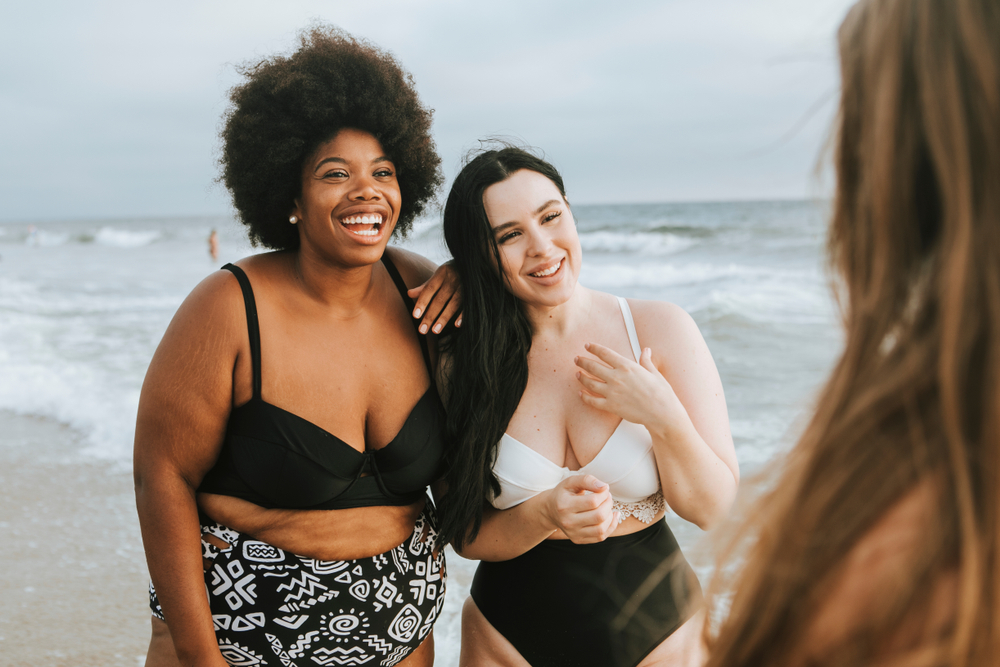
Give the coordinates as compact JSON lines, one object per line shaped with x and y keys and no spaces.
{"x":276,"y":459}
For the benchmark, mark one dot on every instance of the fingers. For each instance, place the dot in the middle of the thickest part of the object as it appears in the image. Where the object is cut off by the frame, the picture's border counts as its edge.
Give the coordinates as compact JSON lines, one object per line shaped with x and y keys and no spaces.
{"x":414,"y":292}
{"x":611,"y":525}
{"x":438,"y":300}
{"x":449,"y":312}
{"x":593,"y":525}
{"x":646,"y":360}
{"x":606,"y":354}
{"x":593,"y":401}
{"x":584,"y":509}
{"x":437,"y":314}
{"x":581,"y":483}
{"x":595,"y":368}
{"x":426,"y":294}
{"x":593,"y":386}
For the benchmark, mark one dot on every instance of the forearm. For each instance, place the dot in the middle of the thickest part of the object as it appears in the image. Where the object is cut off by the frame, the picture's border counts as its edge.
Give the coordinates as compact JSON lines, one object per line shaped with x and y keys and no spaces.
{"x":346,"y":534}
{"x":506,"y":534}
{"x":171,"y":536}
{"x":697,"y":484}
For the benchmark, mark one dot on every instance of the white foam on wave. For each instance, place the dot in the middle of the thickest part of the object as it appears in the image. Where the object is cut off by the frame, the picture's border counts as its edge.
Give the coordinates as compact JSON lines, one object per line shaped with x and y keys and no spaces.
{"x":644,"y":243}
{"x":71,"y":393}
{"x":125,"y":238}
{"x":77,"y":358}
{"x":662,"y":274}
{"x":772,"y":302}
{"x":758,"y":293}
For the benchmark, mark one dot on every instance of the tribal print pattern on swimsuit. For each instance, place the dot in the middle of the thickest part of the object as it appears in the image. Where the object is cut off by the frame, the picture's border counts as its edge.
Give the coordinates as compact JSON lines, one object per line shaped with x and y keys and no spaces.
{"x":271,"y":607}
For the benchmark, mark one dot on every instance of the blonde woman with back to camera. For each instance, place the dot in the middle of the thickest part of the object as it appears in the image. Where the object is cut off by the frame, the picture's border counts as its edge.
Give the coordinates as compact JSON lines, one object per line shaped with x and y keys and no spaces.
{"x":878,"y":545}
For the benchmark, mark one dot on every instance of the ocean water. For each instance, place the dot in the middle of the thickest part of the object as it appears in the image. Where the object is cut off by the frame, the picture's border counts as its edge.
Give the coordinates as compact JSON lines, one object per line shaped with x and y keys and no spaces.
{"x":83,"y":305}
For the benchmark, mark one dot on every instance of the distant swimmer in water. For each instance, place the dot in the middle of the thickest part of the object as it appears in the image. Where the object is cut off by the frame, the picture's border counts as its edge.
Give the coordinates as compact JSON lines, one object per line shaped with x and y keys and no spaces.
{"x":32,"y":235}
{"x":213,"y":245}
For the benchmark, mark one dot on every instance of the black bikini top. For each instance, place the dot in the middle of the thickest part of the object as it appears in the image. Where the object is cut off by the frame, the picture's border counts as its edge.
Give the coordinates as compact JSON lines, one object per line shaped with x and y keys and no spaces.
{"x":276,"y":459}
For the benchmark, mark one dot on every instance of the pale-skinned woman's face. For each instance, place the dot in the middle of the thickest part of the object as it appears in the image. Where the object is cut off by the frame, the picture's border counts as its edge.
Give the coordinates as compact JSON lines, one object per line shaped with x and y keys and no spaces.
{"x":536,"y":234}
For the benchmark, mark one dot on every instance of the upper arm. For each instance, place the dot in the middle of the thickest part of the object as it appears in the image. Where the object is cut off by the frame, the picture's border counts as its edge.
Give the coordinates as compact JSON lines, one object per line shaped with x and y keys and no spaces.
{"x":415,"y":269}
{"x":683,"y":357}
{"x":187,"y":393}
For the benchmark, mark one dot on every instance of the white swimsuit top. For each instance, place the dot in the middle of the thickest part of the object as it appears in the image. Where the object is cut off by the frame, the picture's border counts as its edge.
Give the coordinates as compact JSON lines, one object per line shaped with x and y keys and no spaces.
{"x":626,"y":463}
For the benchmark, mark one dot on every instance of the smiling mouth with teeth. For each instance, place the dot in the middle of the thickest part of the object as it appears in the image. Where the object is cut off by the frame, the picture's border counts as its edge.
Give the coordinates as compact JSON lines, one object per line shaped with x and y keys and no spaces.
{"x":363,"y":225}
{"x":547,"y":272}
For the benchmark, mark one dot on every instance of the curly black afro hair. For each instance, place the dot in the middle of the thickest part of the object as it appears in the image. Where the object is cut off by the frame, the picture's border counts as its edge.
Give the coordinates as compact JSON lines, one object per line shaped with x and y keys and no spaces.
{"x":289,"y":105}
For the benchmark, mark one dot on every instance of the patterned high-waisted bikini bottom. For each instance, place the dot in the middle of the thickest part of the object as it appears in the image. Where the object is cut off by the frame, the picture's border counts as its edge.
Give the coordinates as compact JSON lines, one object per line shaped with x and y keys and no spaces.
{"x":271,"y":607}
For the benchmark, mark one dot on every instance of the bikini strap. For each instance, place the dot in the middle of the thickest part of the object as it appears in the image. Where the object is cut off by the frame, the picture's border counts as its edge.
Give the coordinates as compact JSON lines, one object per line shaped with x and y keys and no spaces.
{"x":633,"y":337}
{"x":253,"y":327}
{"x":401,"y":286}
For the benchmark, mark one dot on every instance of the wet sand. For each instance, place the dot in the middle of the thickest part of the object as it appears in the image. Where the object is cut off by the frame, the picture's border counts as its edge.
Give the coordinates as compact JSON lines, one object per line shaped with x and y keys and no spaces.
{"x":73,"y":575}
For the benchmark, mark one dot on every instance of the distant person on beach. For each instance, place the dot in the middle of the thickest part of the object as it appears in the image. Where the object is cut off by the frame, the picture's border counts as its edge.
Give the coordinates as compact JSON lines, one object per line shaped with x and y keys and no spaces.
{"x":296,"y":381}
{"x":213,"y":245}
{"x":880,"y":541}
{"x":576,"y":418}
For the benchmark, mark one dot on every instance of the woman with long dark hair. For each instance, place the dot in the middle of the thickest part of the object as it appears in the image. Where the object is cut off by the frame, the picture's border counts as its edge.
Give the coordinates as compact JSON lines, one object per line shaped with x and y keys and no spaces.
{"x":575,"y":419}
{"x":294,"y":383}
{"x":880,"y":541}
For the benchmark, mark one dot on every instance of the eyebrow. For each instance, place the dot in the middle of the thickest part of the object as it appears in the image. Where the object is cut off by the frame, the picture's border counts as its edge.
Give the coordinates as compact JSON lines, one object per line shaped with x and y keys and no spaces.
{"x":500,"y":228}
{"x":340,"y":160}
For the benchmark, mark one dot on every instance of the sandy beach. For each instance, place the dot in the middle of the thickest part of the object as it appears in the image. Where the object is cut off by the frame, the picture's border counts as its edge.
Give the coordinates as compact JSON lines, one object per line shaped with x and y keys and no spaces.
{"x":73,"y":579}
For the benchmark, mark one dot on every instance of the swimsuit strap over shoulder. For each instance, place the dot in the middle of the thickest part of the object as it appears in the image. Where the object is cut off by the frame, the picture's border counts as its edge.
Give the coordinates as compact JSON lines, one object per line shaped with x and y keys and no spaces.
{"x":633,"y":337}
{"x":401,"y":286}
{"x":253,"y":327}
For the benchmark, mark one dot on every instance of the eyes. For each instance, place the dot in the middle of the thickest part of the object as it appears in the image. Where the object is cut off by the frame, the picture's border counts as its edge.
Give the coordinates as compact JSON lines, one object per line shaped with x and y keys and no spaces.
{"x":382,"y":173}
{"x":547,"y":218}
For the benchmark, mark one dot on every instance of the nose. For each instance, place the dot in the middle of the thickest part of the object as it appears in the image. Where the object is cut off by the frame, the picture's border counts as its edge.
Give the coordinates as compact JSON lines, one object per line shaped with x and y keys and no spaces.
{"x":364,"y":189}
{"x":539,"y":243}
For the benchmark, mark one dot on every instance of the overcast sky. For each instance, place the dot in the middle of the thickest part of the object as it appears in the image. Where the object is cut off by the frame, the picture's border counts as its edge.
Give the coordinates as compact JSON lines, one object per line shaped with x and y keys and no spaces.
{"x":111,"y":108}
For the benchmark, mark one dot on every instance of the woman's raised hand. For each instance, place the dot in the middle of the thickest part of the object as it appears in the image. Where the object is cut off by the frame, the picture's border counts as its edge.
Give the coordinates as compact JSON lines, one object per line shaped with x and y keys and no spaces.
{"x":581,"y":507}
{"x":438,"y":300}
{"x":636,"y":392}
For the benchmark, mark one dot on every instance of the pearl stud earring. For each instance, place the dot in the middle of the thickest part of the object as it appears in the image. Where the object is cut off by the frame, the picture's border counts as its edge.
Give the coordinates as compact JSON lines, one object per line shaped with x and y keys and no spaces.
{"x":293,"y":219}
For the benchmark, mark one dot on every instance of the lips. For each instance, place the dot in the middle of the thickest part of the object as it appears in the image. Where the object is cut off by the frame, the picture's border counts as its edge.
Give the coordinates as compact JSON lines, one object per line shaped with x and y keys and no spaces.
{"x":547,"y":271}
{"x":363,"y":224}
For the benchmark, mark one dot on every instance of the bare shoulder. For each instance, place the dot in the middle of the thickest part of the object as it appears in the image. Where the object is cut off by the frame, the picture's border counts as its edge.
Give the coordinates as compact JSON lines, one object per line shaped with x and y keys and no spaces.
{"x":415,"y":269}
{"x":210,"y":304}
{"x":205,"y":335}
{"x":664,"y":326}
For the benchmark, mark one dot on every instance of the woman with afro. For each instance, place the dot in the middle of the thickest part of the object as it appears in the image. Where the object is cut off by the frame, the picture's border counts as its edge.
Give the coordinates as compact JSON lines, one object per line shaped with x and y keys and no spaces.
{"x":294,"y":385}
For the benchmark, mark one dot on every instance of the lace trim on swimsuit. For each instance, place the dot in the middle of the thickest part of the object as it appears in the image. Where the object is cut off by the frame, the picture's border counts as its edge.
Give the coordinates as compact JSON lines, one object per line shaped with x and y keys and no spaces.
{"x":645,"y":510}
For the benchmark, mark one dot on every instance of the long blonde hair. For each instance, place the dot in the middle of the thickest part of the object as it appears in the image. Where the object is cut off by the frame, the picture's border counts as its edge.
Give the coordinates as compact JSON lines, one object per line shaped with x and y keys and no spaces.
{"x":915,"y":244}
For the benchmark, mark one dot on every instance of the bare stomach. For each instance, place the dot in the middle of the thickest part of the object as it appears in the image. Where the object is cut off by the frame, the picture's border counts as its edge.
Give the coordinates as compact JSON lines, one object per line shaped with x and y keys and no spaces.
{"x":346,"y":534}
